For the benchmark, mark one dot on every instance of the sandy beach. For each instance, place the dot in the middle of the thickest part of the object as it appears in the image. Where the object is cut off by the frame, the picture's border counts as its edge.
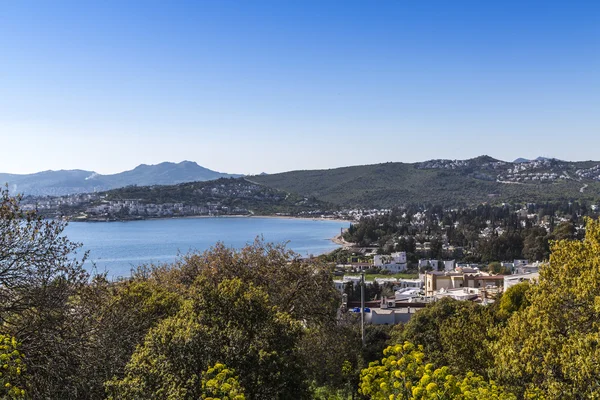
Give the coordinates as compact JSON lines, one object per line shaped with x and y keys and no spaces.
{"x":339,"y":239}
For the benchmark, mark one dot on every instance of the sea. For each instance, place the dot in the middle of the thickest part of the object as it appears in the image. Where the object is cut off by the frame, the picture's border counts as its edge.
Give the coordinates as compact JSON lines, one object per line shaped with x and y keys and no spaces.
{"x":118,"y":247}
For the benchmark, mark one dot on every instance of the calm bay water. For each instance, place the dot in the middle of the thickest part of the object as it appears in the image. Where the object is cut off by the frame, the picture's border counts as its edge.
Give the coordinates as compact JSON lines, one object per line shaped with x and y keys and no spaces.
{"x":116,"y":247}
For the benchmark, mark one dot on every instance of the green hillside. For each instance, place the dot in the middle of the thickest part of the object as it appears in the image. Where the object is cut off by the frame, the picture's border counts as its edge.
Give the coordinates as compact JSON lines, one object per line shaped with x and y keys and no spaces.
{"x":228,"y":192}
{"x":447,"y":182}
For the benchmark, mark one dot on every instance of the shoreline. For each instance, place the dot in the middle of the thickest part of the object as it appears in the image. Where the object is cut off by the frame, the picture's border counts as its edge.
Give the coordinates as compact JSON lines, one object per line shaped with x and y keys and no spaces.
{"x":345,"y":221}
{"x":339,"y":240}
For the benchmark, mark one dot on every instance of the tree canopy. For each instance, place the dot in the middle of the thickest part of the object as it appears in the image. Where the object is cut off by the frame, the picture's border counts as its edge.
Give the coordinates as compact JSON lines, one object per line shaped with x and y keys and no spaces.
{"x":403,"y":374}
{"x":551,"y":346}
{"x":233,"y":323}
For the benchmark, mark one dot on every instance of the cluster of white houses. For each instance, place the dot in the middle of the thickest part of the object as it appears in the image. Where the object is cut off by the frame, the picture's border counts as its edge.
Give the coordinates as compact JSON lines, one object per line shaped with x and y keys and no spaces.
{"x":138,"y":208}
{"x":442,"y":279}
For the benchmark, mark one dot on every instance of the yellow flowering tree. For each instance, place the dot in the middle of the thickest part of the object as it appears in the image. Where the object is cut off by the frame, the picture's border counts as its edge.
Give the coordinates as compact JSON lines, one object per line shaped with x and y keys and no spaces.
{"x":551,"y":347}
{"x":11,"y":369}
{"x":403,"y":374}
{"x":220,"y":383}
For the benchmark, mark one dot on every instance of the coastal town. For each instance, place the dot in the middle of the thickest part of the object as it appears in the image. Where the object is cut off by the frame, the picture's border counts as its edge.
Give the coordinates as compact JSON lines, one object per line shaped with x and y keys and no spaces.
{"x":398,"y":283}
{"x":216,"y":200}
{"x":223,"y":197}
{"x":423,"y":260}
{"x":396,"y":298}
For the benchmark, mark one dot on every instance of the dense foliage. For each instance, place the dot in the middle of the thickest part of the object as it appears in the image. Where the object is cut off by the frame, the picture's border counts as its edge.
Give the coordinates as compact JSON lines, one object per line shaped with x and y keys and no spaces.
{"x":481,"y":234}
{"x":453,"y":334}
{"x":551,"y":346}
{"x":232,"y":322}
{"x":392,"y":184}
{"x":403,"y":374}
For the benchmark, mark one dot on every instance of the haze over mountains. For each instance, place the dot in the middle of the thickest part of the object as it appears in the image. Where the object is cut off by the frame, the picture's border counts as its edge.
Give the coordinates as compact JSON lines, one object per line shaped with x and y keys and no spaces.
{"x":58,"y":183}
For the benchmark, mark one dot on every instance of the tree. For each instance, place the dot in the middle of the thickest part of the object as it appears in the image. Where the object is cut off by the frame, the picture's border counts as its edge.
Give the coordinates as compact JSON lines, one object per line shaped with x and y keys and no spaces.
{"x":513,"y":299}
{"x":551,"y":346}
{"x":118,"y":315}
{"x":41,"y":277}
{"x":535,"y":245}
{"x":231,"y":323}
{"x":565,"y":230}
{"x":305,"y":290}
{"x":453,"y":333}
{"x":338,"y":371}
{"x":403,"y":374}
{"x":34,"y":258}
{"x":436,"y":249}
{"x":494,"y":267}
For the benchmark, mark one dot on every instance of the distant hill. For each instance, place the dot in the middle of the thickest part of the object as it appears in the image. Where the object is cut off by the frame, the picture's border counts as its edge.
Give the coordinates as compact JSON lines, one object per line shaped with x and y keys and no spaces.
{"x":58,"y":183}
{"x":447,"y":182}
{"x":522,"y":160}
{"x":260,"y":199}
{"x":223,"y":196}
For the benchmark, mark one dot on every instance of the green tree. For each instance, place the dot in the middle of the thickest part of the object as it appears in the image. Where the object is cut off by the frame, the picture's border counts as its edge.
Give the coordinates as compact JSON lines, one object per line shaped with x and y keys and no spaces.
{"x":338,"y":371}
{"x":453,"y":333}
{"x":117,"y":316}
{"x":536,"y":245}
{"x":551,"y":346}
{"x":497,"y":268}
{"x":35,"y":258}
{"x":41,"y":277}
{"x":233,"y":323}
{"x":565,"y":230}
{"x":513,"y":300}
{"x":303,"y":289}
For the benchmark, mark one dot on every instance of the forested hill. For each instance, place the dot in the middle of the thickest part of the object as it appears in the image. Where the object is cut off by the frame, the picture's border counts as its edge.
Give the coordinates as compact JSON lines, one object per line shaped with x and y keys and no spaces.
{"x":225,"y":196}
{"x":445,"y":182}
{"x":229,"y":192}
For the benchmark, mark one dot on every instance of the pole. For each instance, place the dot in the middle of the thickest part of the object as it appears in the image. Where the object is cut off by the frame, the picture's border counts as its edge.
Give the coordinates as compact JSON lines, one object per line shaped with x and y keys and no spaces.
{"x":362,"y":307}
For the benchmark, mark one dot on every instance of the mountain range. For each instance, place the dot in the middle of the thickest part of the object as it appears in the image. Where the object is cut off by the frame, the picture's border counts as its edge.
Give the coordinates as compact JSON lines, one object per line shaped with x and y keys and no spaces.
{"x":444,"y":182}
{"x":58,"y":183}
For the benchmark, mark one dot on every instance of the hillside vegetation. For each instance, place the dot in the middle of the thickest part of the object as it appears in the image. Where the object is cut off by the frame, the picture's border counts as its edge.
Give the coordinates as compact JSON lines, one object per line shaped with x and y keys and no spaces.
{"x":444,"y":182}
{"x":229,"y":192}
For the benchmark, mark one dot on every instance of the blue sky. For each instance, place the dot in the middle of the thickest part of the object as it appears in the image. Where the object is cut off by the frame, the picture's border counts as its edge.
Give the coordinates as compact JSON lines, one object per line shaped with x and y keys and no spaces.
{"x":252,"y":86}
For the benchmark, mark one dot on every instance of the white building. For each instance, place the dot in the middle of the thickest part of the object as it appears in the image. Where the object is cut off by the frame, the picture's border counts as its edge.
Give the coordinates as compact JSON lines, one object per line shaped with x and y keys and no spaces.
{"x":409,"y":283}
{"x":449,"y":265}
{"x":388,"y":316}
{"x":462,"y":294}
{"x":520,"y":263}
{"x":511,"y":280}
{"x":396,"y":262}
{"x":406,"y":294}
{"x":423,"y":263}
